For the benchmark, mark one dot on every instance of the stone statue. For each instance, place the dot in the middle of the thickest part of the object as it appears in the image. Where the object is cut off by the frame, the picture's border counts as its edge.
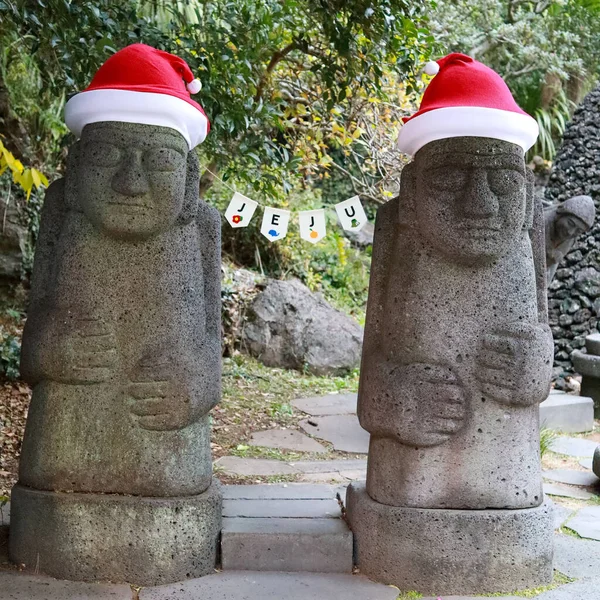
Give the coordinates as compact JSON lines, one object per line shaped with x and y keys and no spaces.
{"x":122,"y":348}
{"x":564,"y":223}
{"x":457,"y":355}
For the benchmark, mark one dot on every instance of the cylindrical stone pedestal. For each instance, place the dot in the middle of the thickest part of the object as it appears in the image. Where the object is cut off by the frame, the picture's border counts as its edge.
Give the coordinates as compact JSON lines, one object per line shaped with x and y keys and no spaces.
{"x":588,"y":365}
{"x":434,"y":551}
{"x":108,"y":537}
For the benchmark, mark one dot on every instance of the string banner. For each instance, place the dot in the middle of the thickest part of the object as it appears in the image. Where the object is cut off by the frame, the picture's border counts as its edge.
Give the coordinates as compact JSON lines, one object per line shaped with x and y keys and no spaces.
{"x":351,"y":214}
{"x":275,"y":223}
{"x":312,"y":225}
{"x":240,"y":210}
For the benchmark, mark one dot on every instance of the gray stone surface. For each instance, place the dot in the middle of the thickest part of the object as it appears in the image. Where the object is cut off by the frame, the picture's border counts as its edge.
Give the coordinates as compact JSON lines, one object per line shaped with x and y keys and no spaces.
{"x":281,"y":491}
{"x":287,"y":439}
{"x":110,"y":537}
{"x":289,"y":326}
{"x":567,"y":413}
{"x":586,"y":463}
{"x":246,"y":585}
{"x":576,"y":558}
{"x":573,"y":446}
{"x":254,"y":466}
{"x":571,"y":477}
{"x":563,"y":224}
{"x":472,"y":597}
{"x":564,"y":491}
{"x":276,"y":544}
{"x":343,"y":431}
{"x":331,"y":404}
{"x":13,"y":242}
{"x":451,"y":551}
{"x":327,"y":466}
{"x":561,"y":514}
{"x":587,"y":523}
{"x":19,"y":586}
{"x":588,"y":589}
{"x":457,"y":355}
{"x":596,"y":462}
{"x":297,"y":508}
{"x":585,"y":364}
{"x":122,"y":347}
{"x":592,"y":343}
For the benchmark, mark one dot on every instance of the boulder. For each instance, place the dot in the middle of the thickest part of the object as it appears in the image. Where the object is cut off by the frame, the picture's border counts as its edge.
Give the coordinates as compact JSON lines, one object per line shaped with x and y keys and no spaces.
{"x":289,"y":326}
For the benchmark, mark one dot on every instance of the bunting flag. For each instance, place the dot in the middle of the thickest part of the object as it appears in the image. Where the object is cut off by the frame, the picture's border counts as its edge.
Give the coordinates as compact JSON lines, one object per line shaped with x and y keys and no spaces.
{"x":312,"y":223}
{"x":240,"y":210}
{"x":275,"y":223}
{"x":351,"y":214}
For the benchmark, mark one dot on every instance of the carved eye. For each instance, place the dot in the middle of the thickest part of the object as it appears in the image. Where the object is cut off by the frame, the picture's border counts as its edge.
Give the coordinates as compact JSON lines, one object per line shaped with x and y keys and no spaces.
{"x":102,"y":154}
{"x":163,"y":159}
{"x":449,"y":178}
{"x":505,"y":181}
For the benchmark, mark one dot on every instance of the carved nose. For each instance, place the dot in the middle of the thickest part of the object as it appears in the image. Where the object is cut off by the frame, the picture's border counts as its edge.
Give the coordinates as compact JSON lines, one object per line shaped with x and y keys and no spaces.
{"x":131,"y":179}
{"x":479,"y":201}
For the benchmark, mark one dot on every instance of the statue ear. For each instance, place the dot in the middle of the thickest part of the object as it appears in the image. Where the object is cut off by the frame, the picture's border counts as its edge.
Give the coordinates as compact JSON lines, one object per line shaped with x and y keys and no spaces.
{"x":192,"y":190}
{"x":408,"y":188}
{"x":529,"y":197}
{"x":71,"y":176}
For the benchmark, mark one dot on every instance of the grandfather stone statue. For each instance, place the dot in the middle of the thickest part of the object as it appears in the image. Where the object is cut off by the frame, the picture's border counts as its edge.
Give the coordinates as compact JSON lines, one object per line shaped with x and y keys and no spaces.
{"x":457,"y":354}
{"x":563,"y":224}
{"x":122,"y":342}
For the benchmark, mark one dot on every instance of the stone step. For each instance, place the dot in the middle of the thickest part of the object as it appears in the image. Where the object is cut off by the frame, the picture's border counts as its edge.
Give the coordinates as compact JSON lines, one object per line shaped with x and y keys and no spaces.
{"x":292,"y":528}
{"x":567,"y":413}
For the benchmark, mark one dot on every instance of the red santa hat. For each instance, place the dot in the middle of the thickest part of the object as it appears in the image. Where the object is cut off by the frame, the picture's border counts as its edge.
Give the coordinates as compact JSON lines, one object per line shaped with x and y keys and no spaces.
{"x":466,"y":98}
{"x":140,"y":84}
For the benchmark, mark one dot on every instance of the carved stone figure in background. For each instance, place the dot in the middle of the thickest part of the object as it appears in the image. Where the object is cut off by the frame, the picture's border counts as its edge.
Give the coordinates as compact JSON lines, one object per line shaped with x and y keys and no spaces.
{"x":457,"y":355}
{"x":563,"y":224}
{"x":122,"y":348}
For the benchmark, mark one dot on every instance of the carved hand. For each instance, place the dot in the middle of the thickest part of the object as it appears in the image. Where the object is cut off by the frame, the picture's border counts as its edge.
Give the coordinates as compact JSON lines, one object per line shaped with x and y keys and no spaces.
{"x":420,"y":404}
{"x":514,"y":363}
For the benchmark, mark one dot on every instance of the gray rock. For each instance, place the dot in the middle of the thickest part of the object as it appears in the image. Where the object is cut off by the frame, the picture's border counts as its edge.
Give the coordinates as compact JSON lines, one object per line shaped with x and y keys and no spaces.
{"x":451,"y":551}
{"x":289,"y":326}
{"x":287,"y":439}
{"x":592,"y":343}
{"x":364,"y":237}
{"x":280,"y":491}
{"x":571,"y":477}
{"x":247,"y":585}
{"x":122,"y":348}
{"x":331,"y":404}
{"x":596,"y":461}
{"x":553,"y":489}
{"x":561,"y":514}
{"x":588,"y":588}
{"x":343,"y":431}
{"x":587,"y":523}
{"x":567,"y":413}
{"x":576,"y":558}
{"x":573,"y":446}
{"x":13,"y":243}
{"x":587,"y":365}
{"x":83,"y":537}
{"x":19,"y":586}
{"x":294,"y":508}
{"x":254,"y":466}
{"x":290,"y":545}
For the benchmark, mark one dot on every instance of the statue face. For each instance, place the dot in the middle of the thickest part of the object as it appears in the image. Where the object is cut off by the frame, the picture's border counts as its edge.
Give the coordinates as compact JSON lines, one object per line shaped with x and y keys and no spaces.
{"x":470,"y":200}
{"x":131,"y":178}
{"x":568,"y":227}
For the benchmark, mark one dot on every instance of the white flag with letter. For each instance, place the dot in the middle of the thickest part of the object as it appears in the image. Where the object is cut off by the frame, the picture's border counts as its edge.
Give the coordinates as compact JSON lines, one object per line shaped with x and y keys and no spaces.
{"x":312,"y":225}
{"x":240,"y":210}
{"x":351,"y":214}
{"x":275,"y":223}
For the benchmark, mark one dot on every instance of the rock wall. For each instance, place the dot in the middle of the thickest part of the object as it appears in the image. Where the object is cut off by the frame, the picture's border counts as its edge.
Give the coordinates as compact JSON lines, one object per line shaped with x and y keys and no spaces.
{"x":574,"y":295}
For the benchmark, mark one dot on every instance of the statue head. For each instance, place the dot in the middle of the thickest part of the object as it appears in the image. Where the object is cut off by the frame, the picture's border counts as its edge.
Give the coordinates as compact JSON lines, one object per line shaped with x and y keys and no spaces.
{"x":133,"y":181}
{"x":573,"y":217}
{"x":469,"y":198}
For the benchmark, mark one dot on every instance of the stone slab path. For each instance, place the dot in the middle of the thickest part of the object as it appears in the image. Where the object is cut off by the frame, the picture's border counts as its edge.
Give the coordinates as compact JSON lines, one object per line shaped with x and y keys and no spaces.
{"x":574,"y":447}
{"x":343,"y":431}
{"x":286,"y":439}
{"x":571,"y":477}
{"x":555,"y":489}
{"x":587,"y":523}
{"x":332,"y":404}
{"x":576,"y":558}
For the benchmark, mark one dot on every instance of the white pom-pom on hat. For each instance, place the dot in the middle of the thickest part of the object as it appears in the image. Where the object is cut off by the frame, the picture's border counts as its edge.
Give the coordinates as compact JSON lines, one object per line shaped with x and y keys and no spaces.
{"x":194,"y":86}
{"x":431,"y":68}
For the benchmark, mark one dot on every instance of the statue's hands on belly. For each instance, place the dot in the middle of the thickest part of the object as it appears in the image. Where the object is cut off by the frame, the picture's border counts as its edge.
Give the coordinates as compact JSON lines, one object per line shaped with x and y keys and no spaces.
{"x":514,"y":363}
{"x":419,"y":404}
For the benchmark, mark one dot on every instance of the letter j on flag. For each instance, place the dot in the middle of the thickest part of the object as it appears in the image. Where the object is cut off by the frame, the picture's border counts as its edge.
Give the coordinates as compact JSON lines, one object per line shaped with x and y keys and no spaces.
{"x":240,"y":210}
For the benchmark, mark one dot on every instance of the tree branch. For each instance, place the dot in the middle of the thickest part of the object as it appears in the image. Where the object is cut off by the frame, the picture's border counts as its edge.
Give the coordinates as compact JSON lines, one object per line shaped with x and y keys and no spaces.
{"x":275,"y":59}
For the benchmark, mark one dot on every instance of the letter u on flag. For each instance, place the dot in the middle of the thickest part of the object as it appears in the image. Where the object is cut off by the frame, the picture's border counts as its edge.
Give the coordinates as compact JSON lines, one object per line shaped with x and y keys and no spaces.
{"x":275,"y":223}
{"x":312,"y":225}
{"x":351,"y":214}
{"x":240,"y":210}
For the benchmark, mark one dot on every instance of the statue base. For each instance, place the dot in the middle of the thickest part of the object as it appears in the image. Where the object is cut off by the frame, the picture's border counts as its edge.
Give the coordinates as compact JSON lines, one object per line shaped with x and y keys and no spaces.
{"x":442,"y":551}
{"x":107,"y":537}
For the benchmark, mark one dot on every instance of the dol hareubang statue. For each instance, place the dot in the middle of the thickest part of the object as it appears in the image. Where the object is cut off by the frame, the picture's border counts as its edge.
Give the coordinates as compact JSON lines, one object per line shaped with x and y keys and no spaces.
{"x":457,"y":353}
{"x":122,"y":342}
